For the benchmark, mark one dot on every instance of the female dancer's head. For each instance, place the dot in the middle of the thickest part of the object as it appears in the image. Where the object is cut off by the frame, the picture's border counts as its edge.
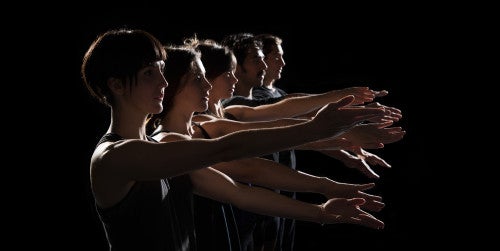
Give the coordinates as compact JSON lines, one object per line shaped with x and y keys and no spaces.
{"x":123,"y":68}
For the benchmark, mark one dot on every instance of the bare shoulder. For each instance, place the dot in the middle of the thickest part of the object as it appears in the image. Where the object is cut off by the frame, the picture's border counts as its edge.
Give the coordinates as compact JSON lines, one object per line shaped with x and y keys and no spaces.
{"x":108,"y":152}
{"x":202,"y":118}
{"x":172,"y":136}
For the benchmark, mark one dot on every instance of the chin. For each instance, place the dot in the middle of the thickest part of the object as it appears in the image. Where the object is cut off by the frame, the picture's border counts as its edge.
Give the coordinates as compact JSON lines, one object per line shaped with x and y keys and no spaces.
{"x":156,"y":111}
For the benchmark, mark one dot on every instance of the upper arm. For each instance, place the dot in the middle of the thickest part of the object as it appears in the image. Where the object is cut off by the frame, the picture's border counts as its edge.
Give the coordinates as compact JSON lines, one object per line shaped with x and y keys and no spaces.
{"x":143,"y":160}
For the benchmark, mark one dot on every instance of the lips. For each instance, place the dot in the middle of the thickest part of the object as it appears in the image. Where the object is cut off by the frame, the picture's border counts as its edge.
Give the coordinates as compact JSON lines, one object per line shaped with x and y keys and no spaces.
{"x":160,"y":97}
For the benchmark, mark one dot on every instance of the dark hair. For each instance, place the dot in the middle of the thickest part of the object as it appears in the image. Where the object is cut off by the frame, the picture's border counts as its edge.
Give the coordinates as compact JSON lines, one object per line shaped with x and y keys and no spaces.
{"x":240,"y":44}
{"x":268,"y":41}
{"x":216,"y":58}
{"x":118,"y":54}
{"x":180,"y":61}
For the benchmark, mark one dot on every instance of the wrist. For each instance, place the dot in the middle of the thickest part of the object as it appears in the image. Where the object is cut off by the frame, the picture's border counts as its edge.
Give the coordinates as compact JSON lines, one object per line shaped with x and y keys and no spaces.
{"x":321,"y":217}
{"x":326,"y":186}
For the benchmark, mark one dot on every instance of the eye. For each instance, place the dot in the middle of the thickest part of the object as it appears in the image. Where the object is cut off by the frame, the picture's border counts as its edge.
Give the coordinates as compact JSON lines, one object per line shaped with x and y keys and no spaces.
{"x":148,"y":72}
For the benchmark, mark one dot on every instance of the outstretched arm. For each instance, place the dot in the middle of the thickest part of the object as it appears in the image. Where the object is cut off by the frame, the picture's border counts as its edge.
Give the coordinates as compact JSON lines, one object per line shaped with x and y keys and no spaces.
{"x":296,"y":106}
{"x":370,"y":136}
{"x":360,"y":160}
{"x":213,"y":184}
{"x":216,"y":127}
{"x":129,"y":160}
{"x":274,"y":175}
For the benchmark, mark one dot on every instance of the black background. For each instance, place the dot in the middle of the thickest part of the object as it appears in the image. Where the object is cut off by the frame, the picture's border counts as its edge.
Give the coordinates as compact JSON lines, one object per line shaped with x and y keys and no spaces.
{"x":325,"y":49}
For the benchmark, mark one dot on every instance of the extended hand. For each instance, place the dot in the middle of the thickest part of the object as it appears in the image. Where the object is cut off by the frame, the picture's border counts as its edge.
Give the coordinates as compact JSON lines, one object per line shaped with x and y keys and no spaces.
{"x":341,"y":210}
{"x":376,"y":133}
{"x":393,"y":113}
{"x":346,"y":190}
{"x":340,"y":118}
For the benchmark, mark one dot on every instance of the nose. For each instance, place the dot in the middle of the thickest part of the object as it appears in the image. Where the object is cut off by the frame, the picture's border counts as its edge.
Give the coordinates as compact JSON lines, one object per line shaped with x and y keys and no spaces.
{"x":234,"y":78}
{"x":163,"y":81}
{"x":282,"y":61}
{"x":206,"y":84}
{"x":263,"y":64}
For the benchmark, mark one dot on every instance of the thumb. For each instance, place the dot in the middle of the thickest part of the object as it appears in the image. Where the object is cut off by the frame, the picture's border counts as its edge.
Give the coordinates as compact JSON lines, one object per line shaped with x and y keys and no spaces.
{"x":343,"y":101}
{"x":356,"y":201}
{"x":366,"y":186}
{"x":385,"y":124}
{"x":381,"y":93}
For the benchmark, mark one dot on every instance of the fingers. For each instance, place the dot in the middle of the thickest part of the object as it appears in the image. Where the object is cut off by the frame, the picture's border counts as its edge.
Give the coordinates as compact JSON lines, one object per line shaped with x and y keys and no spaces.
{"x":384,"y":124}
{"x":373,"y":206}
{"x":368,"y":172}
{"x":373,"y":146}
{"x":344,"y":101}
{"x":369,"y":197}
{"x":362,"y":218}
{"x":364,"y":187}
{"x":393,"y":134}
{"x":365,"y":113}
{"x":375,"y":160}
{"x":373,"y":202}
{"x":356,"y":201}
{"x":367,"y":220}
{"x":380,"y":93}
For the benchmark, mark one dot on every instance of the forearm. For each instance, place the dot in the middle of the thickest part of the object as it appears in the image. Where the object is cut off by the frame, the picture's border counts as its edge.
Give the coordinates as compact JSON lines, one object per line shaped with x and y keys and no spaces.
{"x":292,"y":107}
{"x":325,"y":144}
{"x":266,"y":202}
{"x":175,"y":158}
{"x":223,"y":127}
{"x":218,"y":186}
{"x":241,"y":144}
{"x":271,"y":174}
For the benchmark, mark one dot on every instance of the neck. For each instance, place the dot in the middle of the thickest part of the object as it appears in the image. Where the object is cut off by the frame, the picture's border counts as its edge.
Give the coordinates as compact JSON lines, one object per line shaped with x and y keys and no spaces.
{"x":269,"y":83}
{"x":177,"y":121}
{"x":127,"y":125}
{"x":243,"y":90}
{"x":216,"y":109}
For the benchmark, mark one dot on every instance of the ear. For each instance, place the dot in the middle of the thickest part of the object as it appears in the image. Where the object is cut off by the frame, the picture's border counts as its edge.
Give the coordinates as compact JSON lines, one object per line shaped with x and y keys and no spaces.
{"x":116,"y":86}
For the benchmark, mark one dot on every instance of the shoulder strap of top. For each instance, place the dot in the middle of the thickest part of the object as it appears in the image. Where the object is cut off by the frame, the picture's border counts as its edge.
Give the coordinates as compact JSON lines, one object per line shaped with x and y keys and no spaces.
{"x":158,"y":132}
{"x":109,"y":137}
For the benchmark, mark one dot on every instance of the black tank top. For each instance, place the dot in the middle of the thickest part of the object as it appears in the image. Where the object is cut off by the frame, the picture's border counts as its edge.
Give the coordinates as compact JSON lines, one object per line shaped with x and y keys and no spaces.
{"x":154,"y":215}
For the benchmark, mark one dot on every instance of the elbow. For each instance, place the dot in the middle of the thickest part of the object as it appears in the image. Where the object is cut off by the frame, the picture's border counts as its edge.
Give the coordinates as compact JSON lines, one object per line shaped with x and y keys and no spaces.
{"x":239,"y":200}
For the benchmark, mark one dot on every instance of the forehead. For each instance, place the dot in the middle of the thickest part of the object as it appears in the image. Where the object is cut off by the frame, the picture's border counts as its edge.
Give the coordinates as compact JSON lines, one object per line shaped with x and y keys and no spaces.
{"x":254,"y":51}
{"x":198,"y":66}
{"x":159,"y":63}
{"x":277,"y":49}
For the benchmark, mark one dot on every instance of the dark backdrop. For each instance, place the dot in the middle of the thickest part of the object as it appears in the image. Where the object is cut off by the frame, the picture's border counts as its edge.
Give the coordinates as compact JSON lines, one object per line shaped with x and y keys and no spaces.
{"x":325,"y":49}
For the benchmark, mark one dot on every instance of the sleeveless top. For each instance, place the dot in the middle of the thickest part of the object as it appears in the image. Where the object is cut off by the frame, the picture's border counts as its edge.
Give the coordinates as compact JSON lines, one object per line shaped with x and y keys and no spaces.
{"x":215,"y":223}
{"x":154,"y":215}
{"x":286,"y":228}
{"x":250,"y":225}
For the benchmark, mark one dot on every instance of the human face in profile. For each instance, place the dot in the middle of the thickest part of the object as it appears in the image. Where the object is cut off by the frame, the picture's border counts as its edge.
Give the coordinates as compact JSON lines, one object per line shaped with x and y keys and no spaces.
{"x":147,"y":93}
{"x":251,"y":72}
{"x":195,"y":90}
{"x":224,"y":84}
{"x":275,"y":63}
